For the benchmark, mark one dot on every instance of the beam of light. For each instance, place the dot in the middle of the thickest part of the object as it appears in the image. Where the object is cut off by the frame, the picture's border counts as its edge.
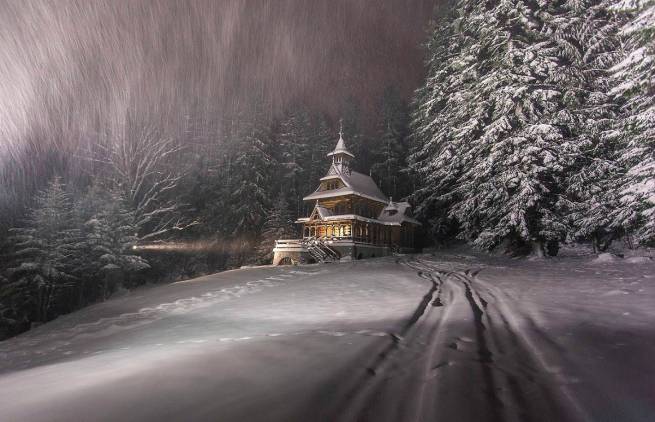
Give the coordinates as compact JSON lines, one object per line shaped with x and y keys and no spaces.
{"x":194,"y":246}
{"x":169,"y":247}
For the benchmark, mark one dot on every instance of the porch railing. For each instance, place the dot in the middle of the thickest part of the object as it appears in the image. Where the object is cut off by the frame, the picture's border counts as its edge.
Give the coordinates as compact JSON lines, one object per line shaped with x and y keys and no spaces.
{"x":320,"y":251}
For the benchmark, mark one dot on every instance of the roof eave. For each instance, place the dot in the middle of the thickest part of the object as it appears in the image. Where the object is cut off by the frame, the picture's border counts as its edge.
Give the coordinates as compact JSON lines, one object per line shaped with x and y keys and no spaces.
{"x":323,"y":195}
{"x":330,"y":176}
{"x":326,"y":194}
{"x":343,"y":151}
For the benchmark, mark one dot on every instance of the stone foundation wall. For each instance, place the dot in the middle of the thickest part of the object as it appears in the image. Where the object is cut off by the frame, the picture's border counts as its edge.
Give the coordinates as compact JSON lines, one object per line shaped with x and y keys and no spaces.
{"x":290,"y":257}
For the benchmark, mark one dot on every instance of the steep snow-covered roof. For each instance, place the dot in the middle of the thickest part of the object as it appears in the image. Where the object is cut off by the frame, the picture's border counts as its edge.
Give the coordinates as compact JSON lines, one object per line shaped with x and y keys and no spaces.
{"x":364,"y":184}
{"x":355,"y":184}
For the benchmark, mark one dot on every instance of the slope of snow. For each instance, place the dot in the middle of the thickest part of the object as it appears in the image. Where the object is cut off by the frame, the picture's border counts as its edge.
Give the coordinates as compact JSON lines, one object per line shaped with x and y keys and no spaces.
{"x":458,"y":336}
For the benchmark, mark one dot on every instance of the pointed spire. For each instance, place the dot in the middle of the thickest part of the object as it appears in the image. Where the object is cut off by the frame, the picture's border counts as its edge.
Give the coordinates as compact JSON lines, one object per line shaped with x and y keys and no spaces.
{"x":341,"y":145}
{"x":341,"y":149}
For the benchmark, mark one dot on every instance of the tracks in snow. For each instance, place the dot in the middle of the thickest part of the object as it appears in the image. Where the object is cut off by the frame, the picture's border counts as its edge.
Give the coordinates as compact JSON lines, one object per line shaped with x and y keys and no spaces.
{"x":34,"y":348}
{"x":467,"y":352}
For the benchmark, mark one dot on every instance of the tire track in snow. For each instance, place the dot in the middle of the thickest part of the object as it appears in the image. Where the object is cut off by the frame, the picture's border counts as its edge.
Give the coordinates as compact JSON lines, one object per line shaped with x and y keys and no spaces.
{"x":533,"y":389}
{"x":514,"y":384}
{"x":485,"y":356}
{"x":361,"y":395}
{"x":531,"y":340}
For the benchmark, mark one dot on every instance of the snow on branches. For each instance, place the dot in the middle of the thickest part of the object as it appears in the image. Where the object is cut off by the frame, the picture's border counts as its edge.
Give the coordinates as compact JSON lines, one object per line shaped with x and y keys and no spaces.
{"x":531,"y":115}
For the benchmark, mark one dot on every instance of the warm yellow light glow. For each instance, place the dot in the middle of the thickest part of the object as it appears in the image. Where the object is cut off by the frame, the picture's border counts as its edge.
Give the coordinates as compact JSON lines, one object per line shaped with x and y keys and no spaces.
{"x":197,"y":246}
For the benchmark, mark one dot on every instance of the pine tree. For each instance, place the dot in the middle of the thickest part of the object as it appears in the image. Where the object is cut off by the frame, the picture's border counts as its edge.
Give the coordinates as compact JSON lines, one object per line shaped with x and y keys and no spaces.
{"x":250,"y":173}
{"x":634,"y":77}
{"x":435,"y":161}
{"x":587,"y":38}
{"x":359,"y":144}
{"x":46,"y":251}
{"x":252,"y":167}
{"x":8,"y":321}
{"x":494,"y":128}
{"x":390,"y":151}
{"x":293,"y":147}
{"x":278,"y":225}
{"x":111,"y":235}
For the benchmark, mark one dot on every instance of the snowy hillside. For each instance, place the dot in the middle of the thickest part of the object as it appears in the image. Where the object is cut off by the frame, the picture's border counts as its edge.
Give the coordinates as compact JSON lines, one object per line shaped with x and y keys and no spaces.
{"x":445,"y":336}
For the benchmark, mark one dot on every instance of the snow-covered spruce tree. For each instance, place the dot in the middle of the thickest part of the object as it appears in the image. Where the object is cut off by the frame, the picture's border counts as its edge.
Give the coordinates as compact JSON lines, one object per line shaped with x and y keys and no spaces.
{"x":358,"y":143}
{"x":437,"y":158}
{"x":388,"y":160}
{"x":252,"y":170}
{"x":293,"y":145}
{"x":586,"y":34}
{"x":390,"y":149}
{"x":47,"y":250}
{"x":494,"y":125}
{"x":635,"y":79}
{"x":321,"y":142}
{"x":8,"y":321}
{"x":87,"y":205}
{"x":111,"y":234}
{"x":278,"y":225}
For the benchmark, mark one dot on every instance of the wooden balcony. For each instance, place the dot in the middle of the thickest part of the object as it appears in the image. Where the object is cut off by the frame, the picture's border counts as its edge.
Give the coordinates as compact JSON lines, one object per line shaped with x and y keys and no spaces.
{"x":289,"y":245}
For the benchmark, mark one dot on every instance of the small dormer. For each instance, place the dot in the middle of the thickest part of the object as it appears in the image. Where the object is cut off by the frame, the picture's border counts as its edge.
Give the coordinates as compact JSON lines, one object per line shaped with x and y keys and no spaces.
{"x":331,"y":184}
{"x":391,"y":209}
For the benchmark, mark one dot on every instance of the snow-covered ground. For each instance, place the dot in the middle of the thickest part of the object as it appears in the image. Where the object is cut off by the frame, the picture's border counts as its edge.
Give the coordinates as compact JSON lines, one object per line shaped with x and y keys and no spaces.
{"x":450,"y":336}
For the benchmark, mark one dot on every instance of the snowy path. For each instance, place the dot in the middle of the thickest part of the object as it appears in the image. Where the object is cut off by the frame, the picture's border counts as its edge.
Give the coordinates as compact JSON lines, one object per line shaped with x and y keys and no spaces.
{"x":463,"y":354}
{"x":416,"y":338}
{"x":467,"y":357}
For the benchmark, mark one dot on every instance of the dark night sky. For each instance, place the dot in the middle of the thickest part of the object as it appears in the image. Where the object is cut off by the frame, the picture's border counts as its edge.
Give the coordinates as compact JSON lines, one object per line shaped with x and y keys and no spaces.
{"x":69,"y":69}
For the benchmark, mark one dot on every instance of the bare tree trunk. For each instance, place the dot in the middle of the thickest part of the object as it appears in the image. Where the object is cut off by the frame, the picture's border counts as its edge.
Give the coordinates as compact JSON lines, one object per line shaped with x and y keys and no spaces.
{"x":628,"y":241}
{"x":80,"y":295}
{"x":538,"y":248}
{"x":39,"y":308}
{"x":146,"y":168}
